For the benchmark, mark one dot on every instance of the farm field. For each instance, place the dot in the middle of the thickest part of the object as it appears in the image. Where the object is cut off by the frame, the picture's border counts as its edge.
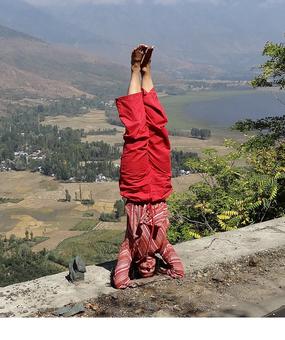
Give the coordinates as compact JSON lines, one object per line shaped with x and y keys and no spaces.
{"x":40,"y":211}
{"x":95,"y":119}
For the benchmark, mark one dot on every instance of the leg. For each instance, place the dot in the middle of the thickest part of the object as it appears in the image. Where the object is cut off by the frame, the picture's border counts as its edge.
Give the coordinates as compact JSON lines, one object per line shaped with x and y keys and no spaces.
{"x":135,"y":81}
{"x":161,"y":244}
{"x":135,"y":169}
{"x":170,"y":256}
{"x":159,"y":145}
{"x":121,"y":277}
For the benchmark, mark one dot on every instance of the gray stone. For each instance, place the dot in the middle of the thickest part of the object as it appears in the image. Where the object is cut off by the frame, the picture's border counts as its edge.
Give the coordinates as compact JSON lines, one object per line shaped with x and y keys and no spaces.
{"x":80,"y":265}
{"x":62,"y":310}
{"x":219,"y":277}
{"x":76,"y":269}
{"x":253,"y":261}
{"x":67,"y":311}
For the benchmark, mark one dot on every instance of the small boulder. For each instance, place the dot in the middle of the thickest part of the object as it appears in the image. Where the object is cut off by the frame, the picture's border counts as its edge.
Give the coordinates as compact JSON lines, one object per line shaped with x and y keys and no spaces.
{"x":76,"y":269}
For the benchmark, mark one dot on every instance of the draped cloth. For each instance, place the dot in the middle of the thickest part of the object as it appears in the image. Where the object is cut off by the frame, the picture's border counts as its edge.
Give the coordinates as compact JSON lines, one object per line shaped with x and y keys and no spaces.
{"x":146,"y":236}
{"x":145,"y":172}
{"x":145,"y":181}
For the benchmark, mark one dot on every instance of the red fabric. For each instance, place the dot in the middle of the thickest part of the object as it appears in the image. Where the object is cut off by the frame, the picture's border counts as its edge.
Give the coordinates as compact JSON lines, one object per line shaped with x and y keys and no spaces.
{"x":146,"y":234}
{"x":145,"y":173}
{"x":145,"y":180}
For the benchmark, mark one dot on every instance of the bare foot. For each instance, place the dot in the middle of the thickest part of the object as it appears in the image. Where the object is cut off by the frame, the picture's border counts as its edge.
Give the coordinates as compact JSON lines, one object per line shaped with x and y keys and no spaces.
{"x":146,"y":61}
{"x":137,"y":56}
{"x":147,"y":82}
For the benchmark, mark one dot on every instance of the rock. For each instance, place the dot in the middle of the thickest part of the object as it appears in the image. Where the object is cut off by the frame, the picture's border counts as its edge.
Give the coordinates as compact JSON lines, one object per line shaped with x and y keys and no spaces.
{"x":138,"y":311}
{"x":6,"y":315}
{"x":76,"y":269}
{"x":176,"y":308}
{"x":92,"y":306}
{"x":219,"y":277}
{"x":70,"y":310}
{"x":252,"y":261}
{"x":80,"y":265}
{"x":162,"y":314}
{"x":61,"y":311}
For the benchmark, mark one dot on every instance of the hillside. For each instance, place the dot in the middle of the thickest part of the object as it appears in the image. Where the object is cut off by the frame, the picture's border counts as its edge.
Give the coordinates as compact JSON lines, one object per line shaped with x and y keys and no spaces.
{"x":34,"y":68}
{"x":213,"y":38}
{"x":23,"y":17}
{"x":193,"y":38}
{"x":20,"y":84}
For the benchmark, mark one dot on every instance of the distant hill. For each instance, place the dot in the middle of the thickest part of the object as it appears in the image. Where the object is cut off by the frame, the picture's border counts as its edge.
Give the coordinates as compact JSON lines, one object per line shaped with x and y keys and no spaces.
{"x":7,"y":33}
{"x":208,"y":38}
{"x":32,"y":67}
{"x":23,"y":17}
{"x":213,"y":38}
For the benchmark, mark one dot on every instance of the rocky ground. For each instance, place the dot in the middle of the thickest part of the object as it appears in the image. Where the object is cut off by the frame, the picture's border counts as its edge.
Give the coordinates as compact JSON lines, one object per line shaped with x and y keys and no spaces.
{"x":240,"y":288}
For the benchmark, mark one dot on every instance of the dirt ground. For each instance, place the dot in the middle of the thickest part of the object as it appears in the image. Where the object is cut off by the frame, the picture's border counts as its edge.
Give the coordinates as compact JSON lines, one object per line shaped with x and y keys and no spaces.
{"x":239,"y":288}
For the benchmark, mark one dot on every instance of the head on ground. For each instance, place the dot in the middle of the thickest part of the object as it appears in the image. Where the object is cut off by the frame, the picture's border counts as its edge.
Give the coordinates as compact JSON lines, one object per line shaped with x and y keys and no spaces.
{"x":147,"y":267}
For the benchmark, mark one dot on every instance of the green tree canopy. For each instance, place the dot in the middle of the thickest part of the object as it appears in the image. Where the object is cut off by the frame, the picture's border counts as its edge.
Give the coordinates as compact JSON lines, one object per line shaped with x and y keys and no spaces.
{"x":270,"y":129}
{"x":273,"y":70}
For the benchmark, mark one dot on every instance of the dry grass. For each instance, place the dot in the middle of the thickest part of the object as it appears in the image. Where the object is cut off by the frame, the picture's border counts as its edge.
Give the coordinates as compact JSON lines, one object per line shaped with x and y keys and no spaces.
{"x":40,"y":211}
{"x":57,"y":237}
{"x":95,"y":119}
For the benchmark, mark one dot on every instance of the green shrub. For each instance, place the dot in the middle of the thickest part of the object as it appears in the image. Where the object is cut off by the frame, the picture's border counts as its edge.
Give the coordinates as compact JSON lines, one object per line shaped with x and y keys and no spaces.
{"x":229,"y":196}
{"x":109,"y":217}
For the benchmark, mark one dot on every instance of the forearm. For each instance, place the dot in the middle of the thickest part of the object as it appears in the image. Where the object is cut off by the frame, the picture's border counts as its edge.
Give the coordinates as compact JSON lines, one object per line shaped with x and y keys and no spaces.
{"x":121,"y":277}
{"x":170,"y":256}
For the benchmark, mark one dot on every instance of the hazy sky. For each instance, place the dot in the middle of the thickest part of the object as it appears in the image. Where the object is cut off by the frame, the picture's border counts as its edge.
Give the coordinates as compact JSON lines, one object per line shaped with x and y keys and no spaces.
{"x":216,"y":2}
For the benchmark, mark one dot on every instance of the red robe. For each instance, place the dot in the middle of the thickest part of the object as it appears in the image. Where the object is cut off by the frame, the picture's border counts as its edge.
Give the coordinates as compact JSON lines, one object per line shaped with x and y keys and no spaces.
{"x":145,"y":181}
{"x":145,"y":163}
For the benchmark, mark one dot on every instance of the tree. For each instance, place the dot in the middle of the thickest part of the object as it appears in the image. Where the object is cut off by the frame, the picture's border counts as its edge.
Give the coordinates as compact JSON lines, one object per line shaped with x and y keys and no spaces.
{"x":270,"y":130}
{"x":119,"y":208}
{"x":67,"y":196}
{"x":273,"y":70}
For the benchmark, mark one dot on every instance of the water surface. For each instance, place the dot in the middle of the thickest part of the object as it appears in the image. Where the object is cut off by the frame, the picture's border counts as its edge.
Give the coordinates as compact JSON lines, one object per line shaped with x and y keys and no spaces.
{"x":228,"y":108}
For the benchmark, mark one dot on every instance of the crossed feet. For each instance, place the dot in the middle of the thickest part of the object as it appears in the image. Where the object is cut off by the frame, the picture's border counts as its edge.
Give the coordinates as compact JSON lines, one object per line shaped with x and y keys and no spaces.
{"x":140,"y":64}
{"x":141,"y":58}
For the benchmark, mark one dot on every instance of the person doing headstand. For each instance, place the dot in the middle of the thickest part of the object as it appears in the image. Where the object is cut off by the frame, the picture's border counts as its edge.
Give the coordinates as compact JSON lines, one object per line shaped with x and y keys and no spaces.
{"x":145,"y":177}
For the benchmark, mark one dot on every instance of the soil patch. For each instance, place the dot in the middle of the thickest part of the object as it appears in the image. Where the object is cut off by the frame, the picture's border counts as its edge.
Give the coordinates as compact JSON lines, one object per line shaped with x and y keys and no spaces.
{"x":236,"y":288}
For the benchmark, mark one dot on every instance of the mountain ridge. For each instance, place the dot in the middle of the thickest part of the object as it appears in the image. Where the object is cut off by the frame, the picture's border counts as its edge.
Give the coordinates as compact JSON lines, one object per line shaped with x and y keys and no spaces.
{"x":34,"y":67}
{"x":210,"y":39}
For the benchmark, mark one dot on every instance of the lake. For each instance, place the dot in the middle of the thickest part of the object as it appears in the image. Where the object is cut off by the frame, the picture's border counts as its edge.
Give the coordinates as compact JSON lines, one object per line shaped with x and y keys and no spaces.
{"x":223,"y":108}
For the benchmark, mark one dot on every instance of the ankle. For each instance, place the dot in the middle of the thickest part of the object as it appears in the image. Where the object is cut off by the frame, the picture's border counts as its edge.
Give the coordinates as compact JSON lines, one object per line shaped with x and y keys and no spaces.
{"x":146,"y":71}
{"x":135,"y":68}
